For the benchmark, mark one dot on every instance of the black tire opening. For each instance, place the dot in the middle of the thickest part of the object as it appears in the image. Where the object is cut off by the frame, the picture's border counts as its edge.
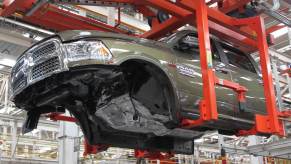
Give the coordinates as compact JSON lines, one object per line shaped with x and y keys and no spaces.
{"x":149,"y":85}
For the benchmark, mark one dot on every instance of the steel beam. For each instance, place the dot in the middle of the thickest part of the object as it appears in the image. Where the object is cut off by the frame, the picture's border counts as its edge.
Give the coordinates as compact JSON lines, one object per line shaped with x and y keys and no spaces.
{"x":208,"y":106}
{"x":231,"y":5}
{"x":108,"y":3}
{"x":280,"y":148}
{"x":175,"y":9}
{"x":11,"y":6}
{"x":36,"y":6}
{"x":224,"y":25}
{"x":208,"y":74}
{"x":53,"y":17}
{"x":268,"y":83}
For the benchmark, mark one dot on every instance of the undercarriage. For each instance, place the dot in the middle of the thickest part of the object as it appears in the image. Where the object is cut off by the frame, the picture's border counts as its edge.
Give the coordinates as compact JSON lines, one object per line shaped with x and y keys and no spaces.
{"x":111,"y":108}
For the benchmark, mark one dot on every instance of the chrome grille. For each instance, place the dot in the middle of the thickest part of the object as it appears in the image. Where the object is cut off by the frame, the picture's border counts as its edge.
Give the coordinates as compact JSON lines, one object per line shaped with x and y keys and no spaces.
{"x":19,"y":82}
{"x":43,"y":51}
{"x":39,"y":62}
{"x":18,"y":65}
{"x":49,"y":66}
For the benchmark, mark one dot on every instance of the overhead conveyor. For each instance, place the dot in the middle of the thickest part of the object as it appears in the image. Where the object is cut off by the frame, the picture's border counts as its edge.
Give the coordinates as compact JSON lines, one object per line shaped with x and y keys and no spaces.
{"x":249,"y":34}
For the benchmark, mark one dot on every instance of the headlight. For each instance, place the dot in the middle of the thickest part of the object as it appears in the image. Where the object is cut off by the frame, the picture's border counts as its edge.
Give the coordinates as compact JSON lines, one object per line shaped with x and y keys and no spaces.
{"x":86,"y":50}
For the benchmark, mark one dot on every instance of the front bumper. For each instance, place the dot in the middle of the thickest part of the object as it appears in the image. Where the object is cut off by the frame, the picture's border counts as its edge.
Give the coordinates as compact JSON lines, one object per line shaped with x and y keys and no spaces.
{"x":41,"y":61}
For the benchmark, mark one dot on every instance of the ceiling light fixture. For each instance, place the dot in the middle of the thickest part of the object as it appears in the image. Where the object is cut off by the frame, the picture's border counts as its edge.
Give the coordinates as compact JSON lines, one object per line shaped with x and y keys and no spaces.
{"x":7,"y":62}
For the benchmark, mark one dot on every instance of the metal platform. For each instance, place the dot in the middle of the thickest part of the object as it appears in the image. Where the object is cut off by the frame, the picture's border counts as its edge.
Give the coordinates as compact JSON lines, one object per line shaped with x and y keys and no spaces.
{"x":278,"y":149}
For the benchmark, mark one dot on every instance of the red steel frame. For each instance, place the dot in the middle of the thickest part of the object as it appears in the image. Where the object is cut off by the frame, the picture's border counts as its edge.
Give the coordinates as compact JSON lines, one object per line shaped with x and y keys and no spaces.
{"x":248,"y":32}
{"x":94,"y":149}
{"x":89,"y":149}
{"x":152,"y":155}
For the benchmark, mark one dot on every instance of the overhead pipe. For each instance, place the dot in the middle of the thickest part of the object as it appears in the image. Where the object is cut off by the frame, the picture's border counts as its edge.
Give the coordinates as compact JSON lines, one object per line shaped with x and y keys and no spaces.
{"x":273,"y":12}
{"x":26,"y":26}
{"x":276,"y":5}
{"x":36,"y":6}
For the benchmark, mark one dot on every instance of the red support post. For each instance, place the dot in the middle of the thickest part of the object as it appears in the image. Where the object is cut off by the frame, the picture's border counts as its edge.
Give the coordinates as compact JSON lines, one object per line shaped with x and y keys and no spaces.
{"x":89,"y":149}
{"x":93,"y":149}
{"x":270,"y":123}
{"x":272,"y":117}
{"x":208,"y":106}
{"x":60,"y":117}
{"x":209,"y":95}
{"x":152,"y":155}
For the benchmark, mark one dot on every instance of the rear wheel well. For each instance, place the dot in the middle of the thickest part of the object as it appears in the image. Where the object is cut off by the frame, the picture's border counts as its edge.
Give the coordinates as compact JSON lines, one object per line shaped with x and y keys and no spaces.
{"x":150,"y":85}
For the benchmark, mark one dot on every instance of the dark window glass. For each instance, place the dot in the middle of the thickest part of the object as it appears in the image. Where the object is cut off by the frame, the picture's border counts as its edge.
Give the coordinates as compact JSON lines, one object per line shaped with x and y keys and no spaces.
{"x":239,"y":59}
{"x":168,"y":39}
{"x":193,"y":49}
{"x":215,"y":55}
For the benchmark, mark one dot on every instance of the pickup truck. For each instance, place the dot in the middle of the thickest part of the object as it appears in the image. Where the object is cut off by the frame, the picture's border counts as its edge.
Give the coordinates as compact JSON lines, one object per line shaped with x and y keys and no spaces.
{"x":132,"y":92}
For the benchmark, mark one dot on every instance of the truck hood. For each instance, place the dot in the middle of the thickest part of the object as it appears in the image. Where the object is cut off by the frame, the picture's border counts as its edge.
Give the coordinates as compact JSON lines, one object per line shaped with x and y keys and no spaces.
{"x":79,"y":34}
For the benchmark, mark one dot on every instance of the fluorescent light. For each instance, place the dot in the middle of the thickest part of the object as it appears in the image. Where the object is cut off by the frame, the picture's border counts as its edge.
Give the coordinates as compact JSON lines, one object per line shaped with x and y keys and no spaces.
{"x":26,"y":25}
{"x":7,"y":62}
{"x":85,"y":33}
{"x":200,"y":140}
{"x":283,"y":67}
{"x":38,"y":38}
{"x":3,"y":110}
{"x":245,"y":78}
{"x":34,"y":131}
{"x":27,"y":35}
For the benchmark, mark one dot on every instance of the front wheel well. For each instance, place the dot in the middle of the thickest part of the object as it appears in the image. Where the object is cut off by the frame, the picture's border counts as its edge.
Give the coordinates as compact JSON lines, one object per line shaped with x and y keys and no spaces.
{"x":150,"y":85}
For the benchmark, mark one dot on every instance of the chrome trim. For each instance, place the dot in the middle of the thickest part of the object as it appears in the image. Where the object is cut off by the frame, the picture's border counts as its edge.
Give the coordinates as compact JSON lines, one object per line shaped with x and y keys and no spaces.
{"x":45,"y":68}
{"x":30,"y":63}
{"x":58,"y":52}
{"x":27,"y":63}
{"x":34,"y":57}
